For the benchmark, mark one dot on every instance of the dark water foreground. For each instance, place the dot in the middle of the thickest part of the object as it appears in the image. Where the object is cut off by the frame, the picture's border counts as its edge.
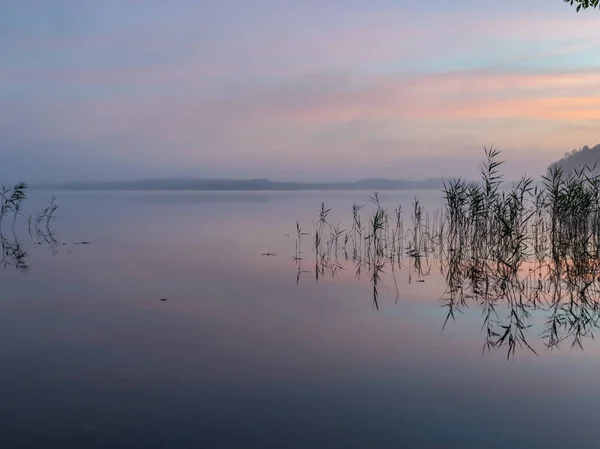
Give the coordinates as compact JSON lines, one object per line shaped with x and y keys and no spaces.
{"x":246,"y":353}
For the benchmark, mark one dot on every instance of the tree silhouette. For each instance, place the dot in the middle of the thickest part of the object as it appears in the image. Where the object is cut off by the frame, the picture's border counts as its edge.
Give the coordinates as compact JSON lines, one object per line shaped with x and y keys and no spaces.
{"x":584,"y":4}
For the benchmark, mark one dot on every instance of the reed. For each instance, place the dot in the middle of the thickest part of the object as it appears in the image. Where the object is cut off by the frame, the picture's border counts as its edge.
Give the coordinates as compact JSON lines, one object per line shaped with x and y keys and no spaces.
{"x":11,"y":202}
{"x":510,"y":249}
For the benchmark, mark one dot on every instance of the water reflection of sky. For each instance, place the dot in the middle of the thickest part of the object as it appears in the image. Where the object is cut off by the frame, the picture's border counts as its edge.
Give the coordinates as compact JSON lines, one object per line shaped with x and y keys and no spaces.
{"x":241,"y":356}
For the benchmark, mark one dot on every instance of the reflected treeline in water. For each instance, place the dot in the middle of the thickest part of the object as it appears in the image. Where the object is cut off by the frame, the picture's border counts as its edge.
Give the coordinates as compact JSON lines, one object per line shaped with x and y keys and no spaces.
{"x":39,"y":226}
{"x":526,"y":253}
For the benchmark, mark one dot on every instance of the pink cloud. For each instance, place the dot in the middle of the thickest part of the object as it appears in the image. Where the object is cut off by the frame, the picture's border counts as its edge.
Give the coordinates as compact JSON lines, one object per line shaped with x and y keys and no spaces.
{"x":433,"y":115}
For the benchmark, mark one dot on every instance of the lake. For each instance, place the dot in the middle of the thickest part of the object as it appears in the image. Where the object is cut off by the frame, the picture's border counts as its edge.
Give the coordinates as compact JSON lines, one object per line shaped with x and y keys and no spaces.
{"x":249,"y":350}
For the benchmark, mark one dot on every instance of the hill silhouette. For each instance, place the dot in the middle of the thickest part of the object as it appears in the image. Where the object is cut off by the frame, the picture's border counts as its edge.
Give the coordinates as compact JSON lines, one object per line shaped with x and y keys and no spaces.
{"x":579,"y":158}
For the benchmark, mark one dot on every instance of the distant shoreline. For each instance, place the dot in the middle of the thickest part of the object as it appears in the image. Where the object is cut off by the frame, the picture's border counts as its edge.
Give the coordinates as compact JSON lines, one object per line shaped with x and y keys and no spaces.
{"x":50,"y":189}
{"x":251,"y":185}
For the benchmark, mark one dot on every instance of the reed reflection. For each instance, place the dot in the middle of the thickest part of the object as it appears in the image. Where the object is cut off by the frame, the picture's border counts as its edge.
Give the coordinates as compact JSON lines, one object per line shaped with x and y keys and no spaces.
{"x":39,"y":226}
{"x":521,"y":253}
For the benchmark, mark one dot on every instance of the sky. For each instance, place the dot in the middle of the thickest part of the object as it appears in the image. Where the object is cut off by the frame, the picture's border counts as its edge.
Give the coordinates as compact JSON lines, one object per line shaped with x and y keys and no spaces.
{"x":292,"y":90}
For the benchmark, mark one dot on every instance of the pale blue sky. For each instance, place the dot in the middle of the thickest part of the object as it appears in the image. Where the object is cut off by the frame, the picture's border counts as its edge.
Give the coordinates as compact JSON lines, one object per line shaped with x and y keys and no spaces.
{"x":292,"y":90}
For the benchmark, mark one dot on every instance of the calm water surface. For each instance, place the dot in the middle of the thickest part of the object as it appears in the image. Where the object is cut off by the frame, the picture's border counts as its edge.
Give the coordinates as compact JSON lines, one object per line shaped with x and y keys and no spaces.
{"x":244,"y":355}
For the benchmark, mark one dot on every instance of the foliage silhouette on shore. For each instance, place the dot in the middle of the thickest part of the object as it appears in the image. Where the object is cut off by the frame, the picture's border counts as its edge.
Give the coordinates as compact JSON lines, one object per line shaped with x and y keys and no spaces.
{"x":583,"y":4}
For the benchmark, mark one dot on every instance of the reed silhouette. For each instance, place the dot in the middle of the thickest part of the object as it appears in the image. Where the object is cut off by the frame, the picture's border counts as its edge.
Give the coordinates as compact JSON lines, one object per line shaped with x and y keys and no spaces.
{"x":514,"y":250}
{"x":39,"y":227}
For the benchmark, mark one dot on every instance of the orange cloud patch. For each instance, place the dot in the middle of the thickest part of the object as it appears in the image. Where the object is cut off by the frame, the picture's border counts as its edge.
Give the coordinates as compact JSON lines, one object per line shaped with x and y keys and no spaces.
{"x":557,"y":108}
{"x":563,"y":96}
